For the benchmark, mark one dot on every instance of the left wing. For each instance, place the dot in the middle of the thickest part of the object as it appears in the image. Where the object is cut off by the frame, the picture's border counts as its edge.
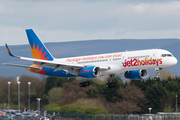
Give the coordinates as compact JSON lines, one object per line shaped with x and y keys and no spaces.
{"x":52,"y":64}
{"x":43,"y":63}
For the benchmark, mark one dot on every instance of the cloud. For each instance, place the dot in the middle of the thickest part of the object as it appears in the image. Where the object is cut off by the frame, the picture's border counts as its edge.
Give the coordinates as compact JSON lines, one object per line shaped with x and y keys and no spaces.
{"x":85,"y":20}
{"x":167,"y":7}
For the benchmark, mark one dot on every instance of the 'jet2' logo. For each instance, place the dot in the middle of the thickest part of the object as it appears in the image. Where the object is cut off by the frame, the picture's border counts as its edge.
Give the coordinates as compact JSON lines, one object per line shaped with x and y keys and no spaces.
{"x":137,"y":62}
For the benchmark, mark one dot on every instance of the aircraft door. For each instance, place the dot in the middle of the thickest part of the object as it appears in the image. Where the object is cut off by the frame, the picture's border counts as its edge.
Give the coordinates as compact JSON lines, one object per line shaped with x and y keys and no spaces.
{"x":123,"y":61}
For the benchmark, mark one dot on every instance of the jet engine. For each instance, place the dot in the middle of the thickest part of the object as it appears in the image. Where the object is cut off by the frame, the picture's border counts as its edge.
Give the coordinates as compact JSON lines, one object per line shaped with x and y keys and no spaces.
{"x":90,"y":72}
{"x":136,"y":74}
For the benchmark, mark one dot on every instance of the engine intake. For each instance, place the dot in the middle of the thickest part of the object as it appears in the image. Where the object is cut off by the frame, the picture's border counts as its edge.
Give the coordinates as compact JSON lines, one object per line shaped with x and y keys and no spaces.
{"x":89,"y":72}
{"x":136,"y":74}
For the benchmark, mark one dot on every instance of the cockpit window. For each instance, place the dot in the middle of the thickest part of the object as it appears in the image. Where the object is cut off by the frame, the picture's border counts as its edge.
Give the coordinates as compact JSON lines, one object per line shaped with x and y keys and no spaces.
{"x":166,"y":55}
{"x":169,"y":55}
{"x":163,"y":55}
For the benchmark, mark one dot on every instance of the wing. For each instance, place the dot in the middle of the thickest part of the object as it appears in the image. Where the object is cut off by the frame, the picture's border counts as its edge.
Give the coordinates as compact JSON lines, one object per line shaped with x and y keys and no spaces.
{"x":24,"y":66}
{"x":71,"y":68}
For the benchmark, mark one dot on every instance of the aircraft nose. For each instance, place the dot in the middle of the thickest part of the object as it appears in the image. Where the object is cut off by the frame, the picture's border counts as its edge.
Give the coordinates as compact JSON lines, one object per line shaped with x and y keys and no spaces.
{"x":174,"y":61}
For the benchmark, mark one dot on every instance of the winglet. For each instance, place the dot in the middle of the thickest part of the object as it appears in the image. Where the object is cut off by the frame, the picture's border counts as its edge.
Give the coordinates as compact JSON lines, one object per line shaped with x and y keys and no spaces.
{"x":9,"y":52}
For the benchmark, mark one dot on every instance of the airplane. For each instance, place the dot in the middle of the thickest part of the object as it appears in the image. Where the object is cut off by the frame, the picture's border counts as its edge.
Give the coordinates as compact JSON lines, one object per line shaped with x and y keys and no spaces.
{"x":133,"y":64}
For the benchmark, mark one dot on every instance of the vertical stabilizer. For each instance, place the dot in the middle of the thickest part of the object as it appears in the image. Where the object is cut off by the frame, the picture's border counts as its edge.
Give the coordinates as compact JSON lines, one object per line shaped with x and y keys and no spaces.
{"x":38,"y":49}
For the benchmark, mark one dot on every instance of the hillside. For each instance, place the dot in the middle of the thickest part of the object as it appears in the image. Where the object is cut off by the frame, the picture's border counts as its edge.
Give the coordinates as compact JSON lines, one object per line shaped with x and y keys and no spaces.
{"x":79,"y":48}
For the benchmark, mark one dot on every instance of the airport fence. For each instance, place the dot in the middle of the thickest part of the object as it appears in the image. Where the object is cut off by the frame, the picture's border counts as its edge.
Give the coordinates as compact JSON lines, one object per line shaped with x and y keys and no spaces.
{"x":74,"y":116}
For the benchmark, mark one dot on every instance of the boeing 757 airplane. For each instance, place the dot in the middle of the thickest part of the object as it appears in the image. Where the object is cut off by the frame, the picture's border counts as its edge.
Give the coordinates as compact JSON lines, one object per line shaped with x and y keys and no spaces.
{"x":133,"y":64}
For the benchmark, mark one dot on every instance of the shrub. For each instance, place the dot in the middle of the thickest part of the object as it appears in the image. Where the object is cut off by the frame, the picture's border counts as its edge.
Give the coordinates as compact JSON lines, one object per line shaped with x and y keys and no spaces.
{"x":96,"y":110}
{"x":52,"y":107}
{"x":83,"y":109}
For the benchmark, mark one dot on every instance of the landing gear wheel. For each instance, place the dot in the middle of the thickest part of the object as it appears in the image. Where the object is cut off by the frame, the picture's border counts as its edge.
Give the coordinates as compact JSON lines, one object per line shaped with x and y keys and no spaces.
{"x":107,"y":85}
{"x":114,"y":84}
{"x":81,"y":84}
{"x":84,"y":84}
{"x":87,"y":83}
{"x":111,"y":85}
{"x":157,"y":79}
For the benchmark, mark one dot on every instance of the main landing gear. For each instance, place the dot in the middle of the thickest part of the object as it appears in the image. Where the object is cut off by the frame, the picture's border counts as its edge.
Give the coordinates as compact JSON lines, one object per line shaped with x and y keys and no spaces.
{"x":158,"y":74}
{"x":84,"y":84}
{"x":111,"y":84}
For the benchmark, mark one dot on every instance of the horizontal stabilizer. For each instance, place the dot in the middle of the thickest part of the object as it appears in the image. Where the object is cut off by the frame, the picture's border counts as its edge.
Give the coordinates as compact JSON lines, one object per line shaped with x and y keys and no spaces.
{"x":21,"y":66}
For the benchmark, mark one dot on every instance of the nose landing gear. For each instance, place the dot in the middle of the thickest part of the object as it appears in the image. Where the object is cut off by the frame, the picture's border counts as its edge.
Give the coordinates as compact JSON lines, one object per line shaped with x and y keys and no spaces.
{"x":158,"y":74}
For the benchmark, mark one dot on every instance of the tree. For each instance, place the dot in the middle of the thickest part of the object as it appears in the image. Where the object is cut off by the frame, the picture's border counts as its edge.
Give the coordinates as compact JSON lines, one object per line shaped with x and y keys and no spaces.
{"x":164,"y":74}
{"x":133,"y":96}
{"x":123,"y":107}
{"x":56,"y":82}
{"x":153,"y":94}
{"x":111,"y":94}
{"x":55,"y":95}
{"x":72,"y":92}
{"x":167,"y":103}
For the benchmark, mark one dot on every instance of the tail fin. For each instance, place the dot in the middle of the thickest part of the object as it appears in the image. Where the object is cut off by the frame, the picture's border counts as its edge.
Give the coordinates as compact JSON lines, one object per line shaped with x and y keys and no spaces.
{"x":38,"y":49}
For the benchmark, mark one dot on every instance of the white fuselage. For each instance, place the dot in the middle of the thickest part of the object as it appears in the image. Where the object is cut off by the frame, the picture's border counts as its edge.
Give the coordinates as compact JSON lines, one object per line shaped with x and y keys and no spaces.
{"x":116,"y":63}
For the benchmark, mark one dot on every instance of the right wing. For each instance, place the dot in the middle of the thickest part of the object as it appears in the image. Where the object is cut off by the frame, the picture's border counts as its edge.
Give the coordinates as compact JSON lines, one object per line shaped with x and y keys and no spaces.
{"x":24,"y":66}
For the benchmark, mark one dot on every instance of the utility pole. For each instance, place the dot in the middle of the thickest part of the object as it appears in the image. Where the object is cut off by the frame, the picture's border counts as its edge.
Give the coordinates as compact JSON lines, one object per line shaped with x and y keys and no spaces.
{"x":176,"y":106}
{"x":9,"y":94}
{"x":19,"y":96}
{"x":29,"y":83}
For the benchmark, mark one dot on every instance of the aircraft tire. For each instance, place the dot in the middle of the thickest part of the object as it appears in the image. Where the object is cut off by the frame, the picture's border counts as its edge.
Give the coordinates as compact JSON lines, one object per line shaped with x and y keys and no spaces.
{"x":114,"y":84}
{"x":107,"y":85}
{"x":157,"y":79}
{"x":87,"y":83}
{"x":81,"y":84}
{"x":110,"y":85}
{"x":84,"y":84}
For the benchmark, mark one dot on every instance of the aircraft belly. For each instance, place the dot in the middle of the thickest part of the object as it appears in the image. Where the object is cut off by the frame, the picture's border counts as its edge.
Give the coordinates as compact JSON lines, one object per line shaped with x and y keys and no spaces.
{"x":114,"y":69}
{"x":58,"y":73}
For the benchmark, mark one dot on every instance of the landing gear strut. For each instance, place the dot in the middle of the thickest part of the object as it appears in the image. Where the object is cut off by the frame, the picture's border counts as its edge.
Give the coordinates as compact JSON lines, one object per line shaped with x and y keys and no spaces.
{"x":111,"y":84}
{"x":84,"y":84}
{"x":158,"y":74}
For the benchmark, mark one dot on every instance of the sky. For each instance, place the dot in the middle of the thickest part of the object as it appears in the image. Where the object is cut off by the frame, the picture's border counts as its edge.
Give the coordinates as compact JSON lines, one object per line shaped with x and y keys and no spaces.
{"x":75,"y":20}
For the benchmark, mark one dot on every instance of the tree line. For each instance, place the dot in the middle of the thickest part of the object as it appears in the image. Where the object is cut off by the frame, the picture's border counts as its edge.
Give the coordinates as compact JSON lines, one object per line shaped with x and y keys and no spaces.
{"x":62,"y":94}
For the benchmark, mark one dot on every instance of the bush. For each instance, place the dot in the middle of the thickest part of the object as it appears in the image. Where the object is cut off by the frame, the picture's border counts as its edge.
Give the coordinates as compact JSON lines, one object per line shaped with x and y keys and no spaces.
{"x":83,"y":109}
{"x":96,"y":110}
{"x":75,"y":109}
{"x":79,"y":109}
{"x":52,"y":107}
{"x":65,"y":108}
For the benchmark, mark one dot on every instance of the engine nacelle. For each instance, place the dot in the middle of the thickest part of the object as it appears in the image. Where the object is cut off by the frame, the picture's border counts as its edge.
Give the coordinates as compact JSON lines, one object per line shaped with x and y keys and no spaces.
{"x":136,"y":74}
{"x":89,"y":72}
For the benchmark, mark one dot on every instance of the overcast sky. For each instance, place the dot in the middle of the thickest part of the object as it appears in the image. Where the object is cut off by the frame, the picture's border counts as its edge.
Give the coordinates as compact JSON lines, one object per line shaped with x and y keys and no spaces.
{"x":74,"y":20}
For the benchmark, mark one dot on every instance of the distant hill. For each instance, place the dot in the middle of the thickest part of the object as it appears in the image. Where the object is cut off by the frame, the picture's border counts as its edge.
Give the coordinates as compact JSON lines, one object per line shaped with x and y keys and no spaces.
{"x":79,"y":48}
